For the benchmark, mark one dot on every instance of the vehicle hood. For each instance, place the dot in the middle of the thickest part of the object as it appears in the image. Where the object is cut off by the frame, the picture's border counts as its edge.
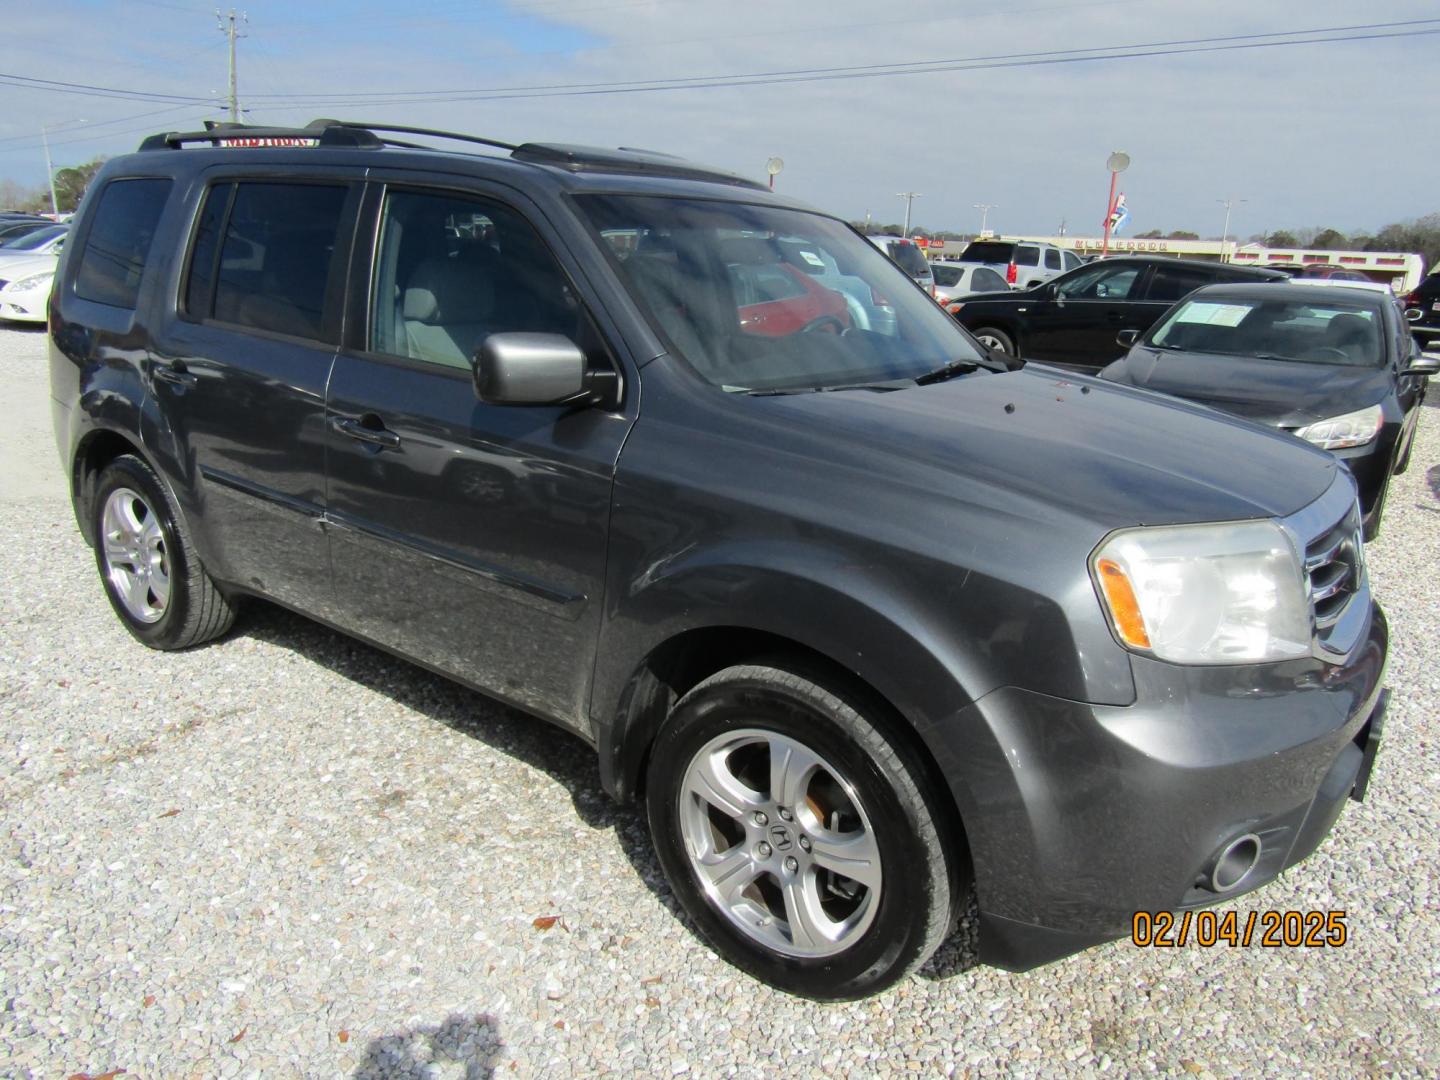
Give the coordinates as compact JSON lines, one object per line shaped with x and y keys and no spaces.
{"x":14,"y":267}
{"x":1281,"y":393}
{"x":1110,"y":455}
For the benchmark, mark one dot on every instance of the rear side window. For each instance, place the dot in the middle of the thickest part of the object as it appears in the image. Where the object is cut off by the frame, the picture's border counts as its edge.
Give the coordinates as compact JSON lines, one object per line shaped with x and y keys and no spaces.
{"x":1027,"y":256}
{"x":983,"y":280}
{"x":1052,"y":259}
{"x":1170,"y":283}
{"x":119,"y":242}
{"x":947,"y":275}
{"x":264,"y":256}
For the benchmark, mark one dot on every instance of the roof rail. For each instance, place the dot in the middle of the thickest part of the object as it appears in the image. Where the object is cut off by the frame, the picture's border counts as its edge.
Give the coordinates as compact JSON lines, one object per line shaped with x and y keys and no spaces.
{"x":355,"y":133}
{"x":317,"y":132}
{"x":592,"y":159}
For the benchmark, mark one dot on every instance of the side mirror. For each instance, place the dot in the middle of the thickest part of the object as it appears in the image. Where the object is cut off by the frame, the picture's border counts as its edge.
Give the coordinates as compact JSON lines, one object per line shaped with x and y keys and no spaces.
{"x":1427,"y":363}
{"x":529,"y":369}
{"x":1126,"y":338}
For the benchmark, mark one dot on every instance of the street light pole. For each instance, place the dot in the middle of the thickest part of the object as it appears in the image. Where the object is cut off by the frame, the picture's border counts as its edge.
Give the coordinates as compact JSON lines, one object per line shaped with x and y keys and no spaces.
{"x":909,"y":197}
{"x":984,"y":209}
{"x":49,"y":171}
{"x":1225,"y":232}
{"x":1117,"y":163}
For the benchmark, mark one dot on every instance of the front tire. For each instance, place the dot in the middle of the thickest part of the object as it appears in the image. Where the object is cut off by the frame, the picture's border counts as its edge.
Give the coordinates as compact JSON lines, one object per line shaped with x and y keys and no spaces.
{"x":994,"y":339}
{"x":148,"y":566}
{"x":807,"y":845}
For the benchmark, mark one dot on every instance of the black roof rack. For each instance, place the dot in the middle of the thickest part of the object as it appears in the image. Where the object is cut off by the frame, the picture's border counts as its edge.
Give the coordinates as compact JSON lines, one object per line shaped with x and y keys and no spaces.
{"x":354,"y":133}
{"x":593,"y":159}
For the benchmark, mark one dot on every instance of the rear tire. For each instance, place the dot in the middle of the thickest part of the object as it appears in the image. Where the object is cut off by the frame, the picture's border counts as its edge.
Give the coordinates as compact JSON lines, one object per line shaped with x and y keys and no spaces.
{"x":761,"y":786}
{"x":148,"y":565}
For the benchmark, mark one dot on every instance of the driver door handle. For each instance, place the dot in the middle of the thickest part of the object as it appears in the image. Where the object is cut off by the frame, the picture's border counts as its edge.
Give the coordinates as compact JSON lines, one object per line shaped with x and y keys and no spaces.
{"x":375,"y":432}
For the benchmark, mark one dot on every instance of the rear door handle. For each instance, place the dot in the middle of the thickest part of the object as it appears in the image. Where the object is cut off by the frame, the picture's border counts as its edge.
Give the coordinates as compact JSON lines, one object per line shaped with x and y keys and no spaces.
{"x":176,"y":373}
{"x":375,"y":433}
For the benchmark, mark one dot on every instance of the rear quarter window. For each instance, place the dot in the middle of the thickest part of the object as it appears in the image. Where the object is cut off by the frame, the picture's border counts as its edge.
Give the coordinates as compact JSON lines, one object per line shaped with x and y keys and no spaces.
{"x":1027,"y":256}
{"x":118,"y":244}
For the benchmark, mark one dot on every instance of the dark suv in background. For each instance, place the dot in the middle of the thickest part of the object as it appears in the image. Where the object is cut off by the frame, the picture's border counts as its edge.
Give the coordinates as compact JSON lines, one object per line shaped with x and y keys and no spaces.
{"x":859,"y":615}
{"x":1422,"y":309}
{"x":1073,"y":319}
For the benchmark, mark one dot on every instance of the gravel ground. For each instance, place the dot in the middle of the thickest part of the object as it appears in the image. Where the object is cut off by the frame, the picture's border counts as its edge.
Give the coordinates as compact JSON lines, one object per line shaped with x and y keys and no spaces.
{"x":289,"y":854}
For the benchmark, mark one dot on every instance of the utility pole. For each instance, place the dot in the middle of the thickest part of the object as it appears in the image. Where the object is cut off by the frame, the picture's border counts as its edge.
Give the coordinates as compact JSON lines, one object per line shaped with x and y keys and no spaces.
{"x":49,"y":171}
{"x":227,"y":25}
{"x":1225,"y":232}
{"x":984,"y":209}
{"x":909,"y":197}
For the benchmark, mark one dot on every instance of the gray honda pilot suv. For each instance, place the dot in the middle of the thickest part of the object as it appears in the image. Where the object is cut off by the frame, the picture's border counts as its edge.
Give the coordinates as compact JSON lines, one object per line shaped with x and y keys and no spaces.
{"x":695,"y":472}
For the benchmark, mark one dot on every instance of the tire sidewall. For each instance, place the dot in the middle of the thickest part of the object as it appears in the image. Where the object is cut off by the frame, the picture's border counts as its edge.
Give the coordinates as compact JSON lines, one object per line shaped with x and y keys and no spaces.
{"x":131,"y":472}
{"x":1004,"y":342}
{"x":899,"y":932}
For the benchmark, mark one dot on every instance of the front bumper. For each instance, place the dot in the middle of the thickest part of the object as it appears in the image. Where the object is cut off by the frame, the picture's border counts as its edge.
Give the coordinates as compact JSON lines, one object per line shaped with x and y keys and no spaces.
{"x":1080,"y":815}
{"x":25,"y":306}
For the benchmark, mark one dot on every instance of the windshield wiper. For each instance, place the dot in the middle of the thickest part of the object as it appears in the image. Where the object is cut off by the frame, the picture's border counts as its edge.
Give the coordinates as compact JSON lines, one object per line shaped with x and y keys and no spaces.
{"x":948,"y":371}
{"x":892,"y":384}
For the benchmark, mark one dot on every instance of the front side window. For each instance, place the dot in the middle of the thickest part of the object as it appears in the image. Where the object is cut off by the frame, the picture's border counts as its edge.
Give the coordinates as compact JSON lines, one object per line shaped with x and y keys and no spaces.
{"x":1317,"y":332}
{"x":1099,"y":282}
{"x":451,"y":270}
{"x":264,"y":257}
{"x":1071,"y":260}
{"x":849,"y":315}
{"x":119,"y":241}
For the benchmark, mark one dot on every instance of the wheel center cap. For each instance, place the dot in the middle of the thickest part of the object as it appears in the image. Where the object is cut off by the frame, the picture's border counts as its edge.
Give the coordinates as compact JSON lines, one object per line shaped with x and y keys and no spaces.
{"x":780,"y":838}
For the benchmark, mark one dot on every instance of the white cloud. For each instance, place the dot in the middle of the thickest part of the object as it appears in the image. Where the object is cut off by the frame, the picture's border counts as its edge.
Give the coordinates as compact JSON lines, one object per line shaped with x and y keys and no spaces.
{"x":1321,"y":134}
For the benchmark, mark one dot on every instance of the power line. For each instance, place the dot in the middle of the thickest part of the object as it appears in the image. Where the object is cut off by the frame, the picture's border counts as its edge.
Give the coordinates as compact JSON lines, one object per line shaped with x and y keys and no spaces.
{"x":1293,"y":37}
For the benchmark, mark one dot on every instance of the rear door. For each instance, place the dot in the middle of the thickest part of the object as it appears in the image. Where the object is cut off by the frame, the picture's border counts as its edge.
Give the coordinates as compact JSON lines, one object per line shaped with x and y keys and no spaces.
{"x":471,"y":537}
{"x":238,"y":373}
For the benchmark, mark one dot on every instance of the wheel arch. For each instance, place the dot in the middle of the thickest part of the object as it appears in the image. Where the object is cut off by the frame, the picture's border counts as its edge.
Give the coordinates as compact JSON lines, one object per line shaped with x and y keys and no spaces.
{"x":684,"y":660}
{"x":94,"y":452}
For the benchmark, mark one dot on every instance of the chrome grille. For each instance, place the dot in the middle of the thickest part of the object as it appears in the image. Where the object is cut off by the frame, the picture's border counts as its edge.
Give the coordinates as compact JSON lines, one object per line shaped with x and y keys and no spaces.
{"x":1335,"y":567}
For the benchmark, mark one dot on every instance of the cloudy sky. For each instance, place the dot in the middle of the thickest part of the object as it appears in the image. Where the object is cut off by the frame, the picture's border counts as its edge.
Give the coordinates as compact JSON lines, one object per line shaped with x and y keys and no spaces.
{"x":965,"y":101}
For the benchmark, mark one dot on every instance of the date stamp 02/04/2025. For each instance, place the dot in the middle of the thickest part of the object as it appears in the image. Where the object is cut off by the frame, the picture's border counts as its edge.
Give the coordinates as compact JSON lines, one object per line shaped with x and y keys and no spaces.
{"x":1267,"y":929}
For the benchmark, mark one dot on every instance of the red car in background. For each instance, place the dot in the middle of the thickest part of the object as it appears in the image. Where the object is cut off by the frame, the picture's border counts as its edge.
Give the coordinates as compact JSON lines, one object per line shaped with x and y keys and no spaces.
{"x":775,"y":299}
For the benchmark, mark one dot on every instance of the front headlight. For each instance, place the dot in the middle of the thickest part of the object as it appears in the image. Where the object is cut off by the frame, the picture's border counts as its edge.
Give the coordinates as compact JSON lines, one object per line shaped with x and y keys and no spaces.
{"x":1227,"y":593}
{"x":1352,"y":429}
{"x":34,"y":281}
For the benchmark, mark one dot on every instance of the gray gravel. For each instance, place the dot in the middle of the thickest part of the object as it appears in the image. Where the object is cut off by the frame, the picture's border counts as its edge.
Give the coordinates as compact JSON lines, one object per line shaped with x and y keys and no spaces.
{"x":288,"y":854}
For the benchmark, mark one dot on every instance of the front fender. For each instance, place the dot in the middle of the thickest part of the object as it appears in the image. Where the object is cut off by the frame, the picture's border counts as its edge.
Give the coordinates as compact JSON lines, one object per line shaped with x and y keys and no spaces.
{"x":854,"y":615}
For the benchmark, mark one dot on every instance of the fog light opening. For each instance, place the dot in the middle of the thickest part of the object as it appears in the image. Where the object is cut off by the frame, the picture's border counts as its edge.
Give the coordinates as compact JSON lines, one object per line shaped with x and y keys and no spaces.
{"x":1234,"y":863}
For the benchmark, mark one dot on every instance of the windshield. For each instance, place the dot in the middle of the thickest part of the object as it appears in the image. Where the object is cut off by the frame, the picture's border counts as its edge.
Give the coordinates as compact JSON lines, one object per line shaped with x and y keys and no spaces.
{"x":759,"y":298}
{"x":987,"y":251}
{"x":38,"y":238}
{"x":908,"y":256}
{"x":1316,"y":332}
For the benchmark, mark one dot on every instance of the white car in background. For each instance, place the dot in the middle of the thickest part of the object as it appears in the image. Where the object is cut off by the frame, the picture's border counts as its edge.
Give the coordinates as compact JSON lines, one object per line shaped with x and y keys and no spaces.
{"x":957,"y":279}
{"x":25,"y":283}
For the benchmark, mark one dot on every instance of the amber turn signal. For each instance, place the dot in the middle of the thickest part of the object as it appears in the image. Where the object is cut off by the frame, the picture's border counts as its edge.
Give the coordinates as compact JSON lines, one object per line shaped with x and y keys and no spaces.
{"x":1124,"y":608}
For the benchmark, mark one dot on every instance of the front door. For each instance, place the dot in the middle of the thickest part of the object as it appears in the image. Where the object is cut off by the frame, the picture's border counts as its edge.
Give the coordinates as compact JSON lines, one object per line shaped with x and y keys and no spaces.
{"x":1076,"y":324}
{"x":470,"y":537}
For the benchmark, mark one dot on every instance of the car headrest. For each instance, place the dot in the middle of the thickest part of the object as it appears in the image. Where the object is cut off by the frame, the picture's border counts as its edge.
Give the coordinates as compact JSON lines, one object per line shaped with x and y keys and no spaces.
{"x":447,"y":291}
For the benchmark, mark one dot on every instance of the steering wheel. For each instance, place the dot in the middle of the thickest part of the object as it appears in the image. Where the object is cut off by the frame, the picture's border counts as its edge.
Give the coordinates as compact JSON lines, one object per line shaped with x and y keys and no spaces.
{"x":825,"y":324}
